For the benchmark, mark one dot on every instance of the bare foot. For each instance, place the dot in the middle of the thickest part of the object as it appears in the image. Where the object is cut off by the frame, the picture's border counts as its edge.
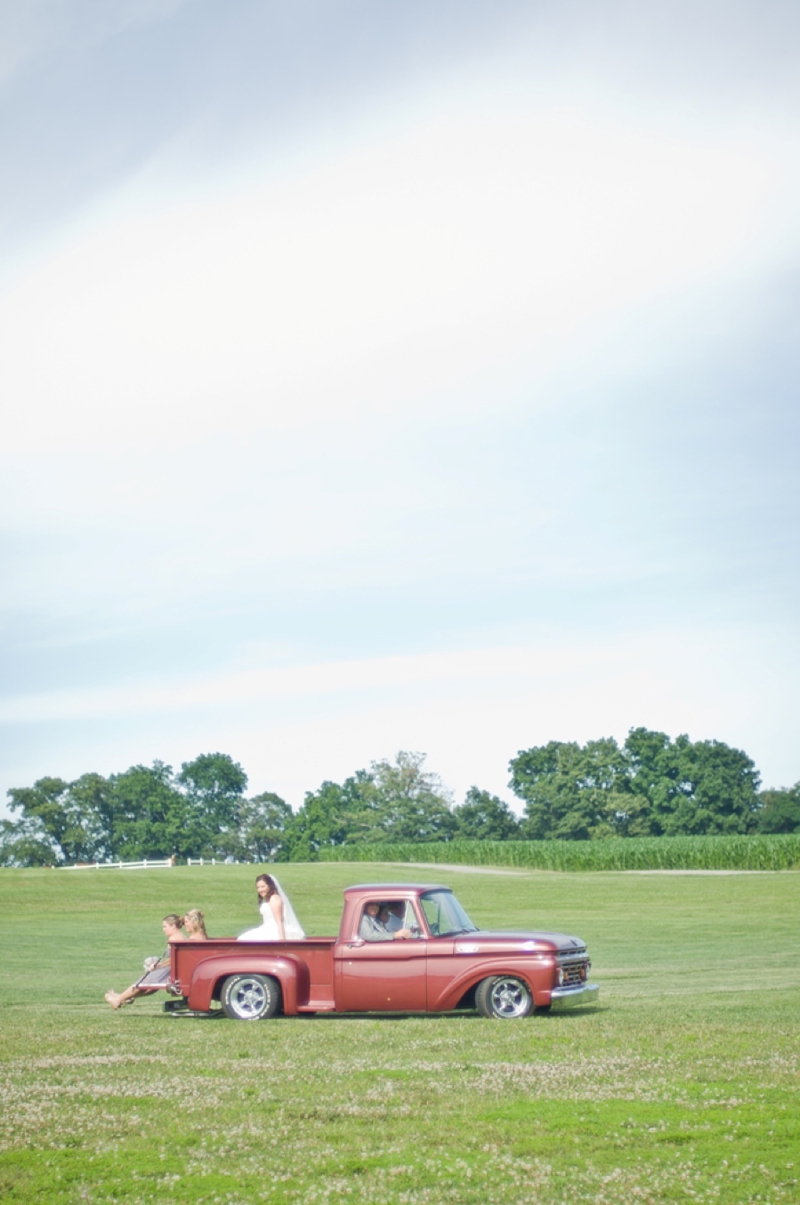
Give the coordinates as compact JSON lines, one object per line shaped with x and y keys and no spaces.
{"x":113,"y":997}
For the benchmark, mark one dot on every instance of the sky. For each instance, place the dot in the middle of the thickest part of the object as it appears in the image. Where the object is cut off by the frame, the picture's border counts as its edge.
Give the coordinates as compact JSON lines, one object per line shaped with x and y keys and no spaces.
{"x":382,"y":376}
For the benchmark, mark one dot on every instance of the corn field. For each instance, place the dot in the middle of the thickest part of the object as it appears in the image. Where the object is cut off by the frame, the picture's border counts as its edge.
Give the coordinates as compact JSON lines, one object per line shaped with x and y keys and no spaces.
{"x":778,"y":852}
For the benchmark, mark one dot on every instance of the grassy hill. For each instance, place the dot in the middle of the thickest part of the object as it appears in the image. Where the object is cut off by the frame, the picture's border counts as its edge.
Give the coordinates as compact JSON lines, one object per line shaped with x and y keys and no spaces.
{"x":682,"y":1084}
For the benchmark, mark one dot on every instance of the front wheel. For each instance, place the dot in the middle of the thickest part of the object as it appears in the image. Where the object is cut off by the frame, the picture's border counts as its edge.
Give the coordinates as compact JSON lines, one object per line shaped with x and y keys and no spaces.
{"x":503,"y":998}
{"x":249,"y":997}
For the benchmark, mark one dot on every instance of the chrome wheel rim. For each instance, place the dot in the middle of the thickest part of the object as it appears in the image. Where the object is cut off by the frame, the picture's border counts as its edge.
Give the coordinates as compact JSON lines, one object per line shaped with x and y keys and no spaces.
{"x":250,"y":998}
{"x":509,"y":998}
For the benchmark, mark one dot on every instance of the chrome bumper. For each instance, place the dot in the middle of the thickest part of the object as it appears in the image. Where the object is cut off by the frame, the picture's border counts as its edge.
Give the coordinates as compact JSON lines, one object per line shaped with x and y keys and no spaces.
{"x":572,"y":997}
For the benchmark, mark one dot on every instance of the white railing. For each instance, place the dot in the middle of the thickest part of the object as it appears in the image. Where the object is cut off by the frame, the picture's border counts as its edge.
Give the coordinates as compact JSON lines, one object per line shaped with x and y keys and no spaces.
{"x":201,"y":861}
{"x":145,"y":864}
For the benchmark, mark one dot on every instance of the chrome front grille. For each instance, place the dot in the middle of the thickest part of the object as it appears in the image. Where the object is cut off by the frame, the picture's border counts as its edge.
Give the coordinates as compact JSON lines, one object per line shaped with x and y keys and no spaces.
{"x":573,"y":974}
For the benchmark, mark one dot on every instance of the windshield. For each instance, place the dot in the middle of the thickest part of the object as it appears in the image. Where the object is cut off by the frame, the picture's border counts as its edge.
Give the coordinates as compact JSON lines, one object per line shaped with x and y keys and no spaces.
{"x":444,"y":914}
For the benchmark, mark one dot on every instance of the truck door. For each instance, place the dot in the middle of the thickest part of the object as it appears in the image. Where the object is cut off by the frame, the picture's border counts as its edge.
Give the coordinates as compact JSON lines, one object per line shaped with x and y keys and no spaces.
{"x":386,"y":975}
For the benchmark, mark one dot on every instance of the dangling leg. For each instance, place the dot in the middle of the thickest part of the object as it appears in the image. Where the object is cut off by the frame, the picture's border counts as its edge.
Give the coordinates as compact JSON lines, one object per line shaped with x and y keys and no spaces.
{"x":120,"y":999}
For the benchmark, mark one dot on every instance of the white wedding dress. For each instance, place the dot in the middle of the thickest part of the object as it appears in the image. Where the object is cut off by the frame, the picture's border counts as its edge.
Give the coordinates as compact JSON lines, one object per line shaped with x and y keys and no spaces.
{"x":268,"y":929}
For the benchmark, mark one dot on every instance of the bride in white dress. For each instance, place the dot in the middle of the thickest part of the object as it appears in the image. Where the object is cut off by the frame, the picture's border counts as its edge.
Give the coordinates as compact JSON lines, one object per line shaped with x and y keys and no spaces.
{"x":278,"y":921}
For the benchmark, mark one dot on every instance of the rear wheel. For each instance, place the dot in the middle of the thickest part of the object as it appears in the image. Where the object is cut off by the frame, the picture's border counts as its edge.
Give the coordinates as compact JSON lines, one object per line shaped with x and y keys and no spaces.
{"x":504,"y":998}
{"x":250,"y":997}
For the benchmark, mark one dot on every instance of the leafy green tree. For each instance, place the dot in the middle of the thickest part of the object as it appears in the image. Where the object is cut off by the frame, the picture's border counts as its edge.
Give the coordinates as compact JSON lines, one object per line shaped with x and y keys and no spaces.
{"x":358,"y":809}
{"x":93,"y":799}
{"x":144,"y":812}
{"x":320,"y":821}
{"x":652,"y":786}
{"x":24,"y":842}
{"x":392,"y":801}
{"x":779,"y":810}
{"x":264,"y":822}
{"x":571,"y":792}
{"x":690,"y":787}
{"x":655,"y":781}
{"x":56,"y":818}
{"x":408,"y":802}
{"x":214,"y":786}
{"x":718,"y":790}
{"x":485,"y":817}
{"x":153,"y":819}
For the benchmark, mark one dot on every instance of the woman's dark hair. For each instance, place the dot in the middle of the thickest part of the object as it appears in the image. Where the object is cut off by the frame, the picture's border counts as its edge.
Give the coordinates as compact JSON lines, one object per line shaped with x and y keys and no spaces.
{"x":173,"y":919}
{"x":268,"y":879}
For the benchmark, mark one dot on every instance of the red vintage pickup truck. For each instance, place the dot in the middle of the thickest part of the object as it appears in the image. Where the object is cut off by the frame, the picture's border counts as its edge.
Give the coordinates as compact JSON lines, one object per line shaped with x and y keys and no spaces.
{"x":446,"y":963}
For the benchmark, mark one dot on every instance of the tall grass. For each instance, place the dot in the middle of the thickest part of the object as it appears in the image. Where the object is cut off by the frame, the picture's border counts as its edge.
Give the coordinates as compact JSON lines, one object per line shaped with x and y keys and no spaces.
{"x":779,"y":852}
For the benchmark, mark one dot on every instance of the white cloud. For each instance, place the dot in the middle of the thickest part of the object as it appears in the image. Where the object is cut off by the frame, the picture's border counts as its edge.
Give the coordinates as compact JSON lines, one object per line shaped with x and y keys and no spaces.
{"x":390,"y":275}
{"x":283,"y":682}
{"x":358,"y":361}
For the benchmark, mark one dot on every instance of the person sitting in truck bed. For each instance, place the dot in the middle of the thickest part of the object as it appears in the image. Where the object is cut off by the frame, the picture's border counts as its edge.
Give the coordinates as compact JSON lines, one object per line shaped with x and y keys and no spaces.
{"x":194,"y":922}
{"x":372,"y":928}
{"x":157,"y":970}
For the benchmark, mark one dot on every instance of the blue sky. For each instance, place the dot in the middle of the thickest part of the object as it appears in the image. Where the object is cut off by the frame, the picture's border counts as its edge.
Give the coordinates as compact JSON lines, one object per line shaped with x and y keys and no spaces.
{"x":385,"y":376}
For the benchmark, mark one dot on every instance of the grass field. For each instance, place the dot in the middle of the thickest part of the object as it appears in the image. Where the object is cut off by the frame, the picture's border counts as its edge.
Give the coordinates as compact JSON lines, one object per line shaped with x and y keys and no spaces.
{"x":682,"y":1085}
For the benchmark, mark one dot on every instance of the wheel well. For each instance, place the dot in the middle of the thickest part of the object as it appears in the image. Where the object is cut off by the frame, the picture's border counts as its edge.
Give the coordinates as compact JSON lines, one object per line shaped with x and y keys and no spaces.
{"x":468,"y":999}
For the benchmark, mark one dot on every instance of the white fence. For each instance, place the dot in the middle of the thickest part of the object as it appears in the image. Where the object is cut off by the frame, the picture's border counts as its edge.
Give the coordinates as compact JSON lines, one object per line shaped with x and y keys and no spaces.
{"x":146,"y":864}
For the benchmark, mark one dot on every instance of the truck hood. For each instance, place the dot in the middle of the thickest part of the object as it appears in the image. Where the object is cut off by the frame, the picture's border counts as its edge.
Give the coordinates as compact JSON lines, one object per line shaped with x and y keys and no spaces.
{"x":486,"y":941}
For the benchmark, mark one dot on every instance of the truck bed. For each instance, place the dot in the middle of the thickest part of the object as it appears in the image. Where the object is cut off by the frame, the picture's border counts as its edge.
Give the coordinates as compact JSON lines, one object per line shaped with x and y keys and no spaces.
{"x":313,"y":954}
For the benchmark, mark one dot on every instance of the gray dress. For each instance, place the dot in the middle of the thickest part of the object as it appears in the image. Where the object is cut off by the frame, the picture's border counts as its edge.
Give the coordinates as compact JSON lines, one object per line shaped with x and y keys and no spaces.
{"x":157,"y":976}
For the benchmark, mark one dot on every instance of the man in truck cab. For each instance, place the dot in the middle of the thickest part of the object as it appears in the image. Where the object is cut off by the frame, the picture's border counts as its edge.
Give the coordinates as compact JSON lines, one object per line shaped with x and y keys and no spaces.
{"x":395,"y":915}
{"x":372,"y":928}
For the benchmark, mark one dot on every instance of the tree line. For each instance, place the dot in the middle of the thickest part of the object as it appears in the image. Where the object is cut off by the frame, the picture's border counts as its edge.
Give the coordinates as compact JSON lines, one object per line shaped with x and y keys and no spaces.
{"x":649,"y":786}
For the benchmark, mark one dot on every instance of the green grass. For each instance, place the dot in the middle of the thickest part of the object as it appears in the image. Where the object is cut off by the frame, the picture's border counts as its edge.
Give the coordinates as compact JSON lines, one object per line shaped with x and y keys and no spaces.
{"x":731,"y":852}
{"x":681,"y":1086}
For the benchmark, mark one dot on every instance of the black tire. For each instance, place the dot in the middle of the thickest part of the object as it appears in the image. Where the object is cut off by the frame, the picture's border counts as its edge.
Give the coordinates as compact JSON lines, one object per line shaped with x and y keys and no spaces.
{"x":504,"y":998}
{"x":250,"y":997}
